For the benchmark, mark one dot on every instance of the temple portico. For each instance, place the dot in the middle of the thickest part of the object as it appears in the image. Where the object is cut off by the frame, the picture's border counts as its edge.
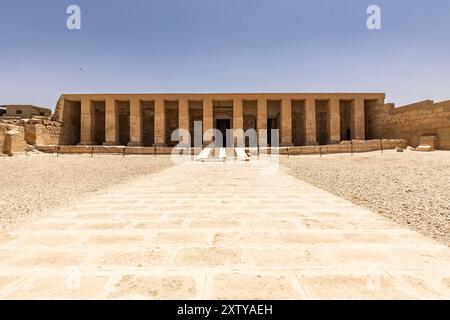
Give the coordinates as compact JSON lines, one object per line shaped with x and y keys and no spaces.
{"x":151,"y":119}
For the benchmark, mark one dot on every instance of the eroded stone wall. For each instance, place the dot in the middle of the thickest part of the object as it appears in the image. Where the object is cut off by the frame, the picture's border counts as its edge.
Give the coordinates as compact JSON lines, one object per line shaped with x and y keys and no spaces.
{"x":42,"y":132}
{"x":410,"y":122}
{"x":69,"y":114}
{"x":37,"y":131}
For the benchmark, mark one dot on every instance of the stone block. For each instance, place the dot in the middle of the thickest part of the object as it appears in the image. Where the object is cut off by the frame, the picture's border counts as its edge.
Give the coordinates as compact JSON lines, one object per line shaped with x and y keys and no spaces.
{"x":424,"y":148}
{"x":163,"y":150}
{"x":13,"y":143}
{"x":60,"y":288}
{"x":155,"y":287}
{"x":429,"y":140}
{"x":253,"y":287}
{"x":352,"y":287}
{"x":212,"y":256}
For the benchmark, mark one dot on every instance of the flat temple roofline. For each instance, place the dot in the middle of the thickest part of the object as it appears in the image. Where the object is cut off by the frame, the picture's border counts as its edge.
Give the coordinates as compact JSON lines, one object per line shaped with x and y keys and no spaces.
{"x":249,"y":96}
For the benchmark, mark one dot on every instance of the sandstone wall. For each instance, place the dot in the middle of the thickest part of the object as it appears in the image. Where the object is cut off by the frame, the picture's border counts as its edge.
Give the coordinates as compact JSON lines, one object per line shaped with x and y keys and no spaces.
{"x":410,"y":122}
{"x":3,"y":130}
{"x":68,"y":113}
{"x":38,"y":131}
{"x":41,"y":132}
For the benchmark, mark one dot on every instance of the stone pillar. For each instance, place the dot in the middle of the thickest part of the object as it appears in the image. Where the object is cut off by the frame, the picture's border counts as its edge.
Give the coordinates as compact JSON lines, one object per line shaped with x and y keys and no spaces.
{"x":111,"y":123}
{"x":358,"y":107}
{"x":208,"y":119}
{"x":87,"y":122}
{"x":286,"y":123}
{"x":335,"y":121}
{"x":238,"y":122}
{"x":310,"y":112}
{"x":262,"y":121}
{"x":160,"y":123}
{"x":183,"y":115}
{"x":135,"y":123}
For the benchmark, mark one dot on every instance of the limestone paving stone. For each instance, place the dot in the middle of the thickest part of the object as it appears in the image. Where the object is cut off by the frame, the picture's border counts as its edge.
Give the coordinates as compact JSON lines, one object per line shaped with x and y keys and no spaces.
{"x":352,"y":287}
{"x":422,"y":287}
{"x":232,"y":286}
{"x":155,"y":287}
{"x":59,"y":288}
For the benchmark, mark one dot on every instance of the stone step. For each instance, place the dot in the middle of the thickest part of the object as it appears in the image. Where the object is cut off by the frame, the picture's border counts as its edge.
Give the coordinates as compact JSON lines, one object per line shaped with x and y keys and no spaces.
{"x":222,"y":154}
{"x":204,"y":154}
{"x":241,"y":154}
{"x":231,"y":153}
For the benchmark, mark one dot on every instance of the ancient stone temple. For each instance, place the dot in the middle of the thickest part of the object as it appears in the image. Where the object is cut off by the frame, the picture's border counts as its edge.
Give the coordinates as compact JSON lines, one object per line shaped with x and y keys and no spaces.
{"x":303,"y":119}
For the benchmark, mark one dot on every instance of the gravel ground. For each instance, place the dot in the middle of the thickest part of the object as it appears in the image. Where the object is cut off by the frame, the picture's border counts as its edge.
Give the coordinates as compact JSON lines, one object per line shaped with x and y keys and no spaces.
{"x":30,"y":184}
{"x":411,"y":188}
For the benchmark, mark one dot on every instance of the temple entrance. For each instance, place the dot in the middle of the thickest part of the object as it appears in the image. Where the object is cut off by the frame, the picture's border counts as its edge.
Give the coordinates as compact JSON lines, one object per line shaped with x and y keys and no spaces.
{"x":223,"y":125}
{"x":272,"y":123}
{"x":348,"y":135}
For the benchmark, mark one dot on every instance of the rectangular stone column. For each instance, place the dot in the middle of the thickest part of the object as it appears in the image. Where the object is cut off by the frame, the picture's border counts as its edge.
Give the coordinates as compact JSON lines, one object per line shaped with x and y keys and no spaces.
{"x":160,"y":123}
{"x":358,"y":107}
{"x":286,"y":123}
{"x":183,"y":116}
{"x":135,"y":123}
{"x":238,"y":122}
{"x":87,"y":122}
{"x":208,"y":119}
{"x":261,"y":123}
{"x":310,"y":113}
{"x":335,"y":121}
{"x":111,"y":123}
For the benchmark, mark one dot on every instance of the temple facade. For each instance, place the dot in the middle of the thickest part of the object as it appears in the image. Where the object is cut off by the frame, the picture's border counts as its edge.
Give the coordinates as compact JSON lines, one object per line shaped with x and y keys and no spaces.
{"x":150,"y":119}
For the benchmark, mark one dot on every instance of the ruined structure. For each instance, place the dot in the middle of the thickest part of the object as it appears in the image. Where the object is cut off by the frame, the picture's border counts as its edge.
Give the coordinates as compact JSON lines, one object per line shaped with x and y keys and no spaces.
{"x":25,"y":111}
{"x":15,"y":134}
{"x":411,"y":122}
{"x":303,"y":119}
{"x":307,"y":122}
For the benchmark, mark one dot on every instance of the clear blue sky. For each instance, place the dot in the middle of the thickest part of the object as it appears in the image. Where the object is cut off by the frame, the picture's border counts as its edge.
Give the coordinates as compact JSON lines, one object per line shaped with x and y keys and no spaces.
{"x":224,"y":46}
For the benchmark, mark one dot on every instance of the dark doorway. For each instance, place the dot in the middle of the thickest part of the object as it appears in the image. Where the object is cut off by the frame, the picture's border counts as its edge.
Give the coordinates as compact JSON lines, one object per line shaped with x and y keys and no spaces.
{"x":272,"y":123}
{"x":223,"y":125}
{"x":348,"y":135}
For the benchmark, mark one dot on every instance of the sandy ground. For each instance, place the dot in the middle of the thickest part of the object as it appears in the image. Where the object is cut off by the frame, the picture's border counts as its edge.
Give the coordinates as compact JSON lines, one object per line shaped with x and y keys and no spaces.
{"x":411,"y":188}
{"x":36,"y":182}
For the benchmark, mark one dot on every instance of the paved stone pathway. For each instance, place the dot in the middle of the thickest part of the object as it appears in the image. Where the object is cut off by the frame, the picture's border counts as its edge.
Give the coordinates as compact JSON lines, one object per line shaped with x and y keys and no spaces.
{"x":219,"y":230}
